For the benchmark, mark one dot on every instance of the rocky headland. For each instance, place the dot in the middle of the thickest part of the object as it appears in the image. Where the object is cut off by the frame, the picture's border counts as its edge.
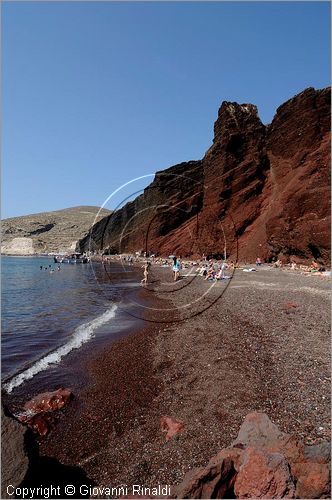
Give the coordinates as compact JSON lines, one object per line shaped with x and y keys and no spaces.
{"x":259,"y":190}
{"x":45,"y":232}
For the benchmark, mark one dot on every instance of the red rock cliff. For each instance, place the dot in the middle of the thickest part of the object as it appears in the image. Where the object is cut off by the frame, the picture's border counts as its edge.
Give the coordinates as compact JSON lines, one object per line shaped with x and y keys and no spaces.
{"x":259,"y":190}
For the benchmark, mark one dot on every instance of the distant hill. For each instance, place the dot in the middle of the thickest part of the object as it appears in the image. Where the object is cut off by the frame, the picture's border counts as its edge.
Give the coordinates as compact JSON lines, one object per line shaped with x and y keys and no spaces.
{"x":57,"y":231}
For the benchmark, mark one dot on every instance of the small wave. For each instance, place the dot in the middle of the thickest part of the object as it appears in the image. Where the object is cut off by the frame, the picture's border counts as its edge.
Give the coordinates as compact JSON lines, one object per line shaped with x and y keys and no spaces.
{"x":81,"y":335}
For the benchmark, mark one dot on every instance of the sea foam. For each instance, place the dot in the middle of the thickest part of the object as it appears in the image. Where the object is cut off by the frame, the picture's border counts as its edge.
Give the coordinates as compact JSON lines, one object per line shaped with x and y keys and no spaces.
{"x":81,"y":335}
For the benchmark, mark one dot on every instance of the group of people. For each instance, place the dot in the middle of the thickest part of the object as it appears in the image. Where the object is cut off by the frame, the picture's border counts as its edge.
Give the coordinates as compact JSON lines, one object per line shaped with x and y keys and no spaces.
{"x":210,"y":270}
{"x":214,"y":270}
{"x":312,"y":268}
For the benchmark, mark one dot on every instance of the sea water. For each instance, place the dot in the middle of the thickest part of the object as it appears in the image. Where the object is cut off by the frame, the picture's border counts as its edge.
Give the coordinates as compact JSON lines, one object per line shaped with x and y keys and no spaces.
{"x":47,"y":314}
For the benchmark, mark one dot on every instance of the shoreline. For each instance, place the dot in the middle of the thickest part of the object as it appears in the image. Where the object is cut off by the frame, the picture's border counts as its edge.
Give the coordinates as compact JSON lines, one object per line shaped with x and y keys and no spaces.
{"x":123,"y":387}
{"x":66,"y":370}
{"x":259,"y":348}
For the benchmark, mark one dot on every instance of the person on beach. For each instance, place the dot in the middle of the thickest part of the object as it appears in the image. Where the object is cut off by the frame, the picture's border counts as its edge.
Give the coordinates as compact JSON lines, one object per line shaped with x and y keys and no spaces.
{"x":221,"y":274}
{"x":203,"y":270}
{"x":176,"y":268}
{"x":145,"y":273}
{"x":210,"y":273}
{"x":315,"y":267}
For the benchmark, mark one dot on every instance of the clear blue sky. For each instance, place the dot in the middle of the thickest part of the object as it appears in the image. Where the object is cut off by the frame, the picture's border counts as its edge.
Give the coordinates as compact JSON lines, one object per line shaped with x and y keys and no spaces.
{"x":95,"y":94}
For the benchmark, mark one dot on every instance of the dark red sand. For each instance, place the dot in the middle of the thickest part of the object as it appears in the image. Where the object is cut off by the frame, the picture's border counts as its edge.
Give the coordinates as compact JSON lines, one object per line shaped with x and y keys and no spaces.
{"x":247,"y":352}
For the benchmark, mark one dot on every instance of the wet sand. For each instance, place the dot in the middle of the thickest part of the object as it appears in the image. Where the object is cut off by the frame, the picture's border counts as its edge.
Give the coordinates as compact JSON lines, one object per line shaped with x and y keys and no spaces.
{"x":206,"y":356}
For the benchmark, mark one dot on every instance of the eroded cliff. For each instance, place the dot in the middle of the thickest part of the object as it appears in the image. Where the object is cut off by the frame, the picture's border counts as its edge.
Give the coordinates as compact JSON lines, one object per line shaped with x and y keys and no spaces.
{"x":259,"y":191}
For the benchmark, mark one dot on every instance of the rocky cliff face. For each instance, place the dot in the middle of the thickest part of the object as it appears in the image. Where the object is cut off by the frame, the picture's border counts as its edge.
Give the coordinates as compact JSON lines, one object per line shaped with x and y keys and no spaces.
{"x":259,"y":191}
{"x":298,"y":220}
{"x":56,"y":231}
{"x":158,"y":218}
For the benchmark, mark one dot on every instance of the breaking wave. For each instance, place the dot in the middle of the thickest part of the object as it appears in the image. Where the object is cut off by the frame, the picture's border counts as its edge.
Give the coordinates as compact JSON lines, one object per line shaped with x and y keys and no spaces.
{"x":81,"y":335}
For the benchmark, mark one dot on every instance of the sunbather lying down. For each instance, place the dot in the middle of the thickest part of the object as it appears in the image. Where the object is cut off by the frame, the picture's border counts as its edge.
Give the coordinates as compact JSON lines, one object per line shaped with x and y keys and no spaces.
{"x":215,"y":278}
{"x":216,"y":274}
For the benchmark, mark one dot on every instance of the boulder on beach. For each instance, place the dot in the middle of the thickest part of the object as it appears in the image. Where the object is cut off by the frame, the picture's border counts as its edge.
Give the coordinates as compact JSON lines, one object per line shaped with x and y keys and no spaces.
{"x":263,"y":462}
{"x":48,"y":401}
{"x":38,"y":412}
{"x":41,"y":423}
{"x":263,"y":475}
{"x":14,"y":456}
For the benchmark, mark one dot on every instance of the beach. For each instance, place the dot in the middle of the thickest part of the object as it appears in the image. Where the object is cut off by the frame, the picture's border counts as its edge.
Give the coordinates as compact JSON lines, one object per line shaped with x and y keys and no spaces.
{"x":166,"y":250}
{"x":206,"y":356}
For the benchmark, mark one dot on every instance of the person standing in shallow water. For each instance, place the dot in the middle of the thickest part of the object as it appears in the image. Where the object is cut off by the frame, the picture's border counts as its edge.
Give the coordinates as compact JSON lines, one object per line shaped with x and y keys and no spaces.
{"x":176,"y":268}
{"x":146,"y":268}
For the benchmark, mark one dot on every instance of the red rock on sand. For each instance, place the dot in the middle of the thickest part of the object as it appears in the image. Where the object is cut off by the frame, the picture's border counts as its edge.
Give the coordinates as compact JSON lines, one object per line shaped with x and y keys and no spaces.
{"x":257,"y":430}
{"x":264,"y":475}
{"x":37,"y":412}
{"x":48,"y":401}
{"x":263,"y":462}
{"x":309,"y":465}
{"x":41,"y":423}
{"x":313,"y":480}
{"x":216,"y":480}
{"x":170,"y":426}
